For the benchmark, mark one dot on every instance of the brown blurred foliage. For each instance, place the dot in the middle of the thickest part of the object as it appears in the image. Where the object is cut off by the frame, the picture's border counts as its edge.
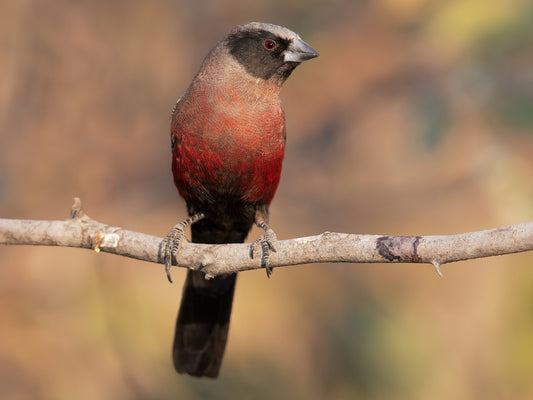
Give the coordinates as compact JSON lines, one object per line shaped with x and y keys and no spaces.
{"x":416,"y":119}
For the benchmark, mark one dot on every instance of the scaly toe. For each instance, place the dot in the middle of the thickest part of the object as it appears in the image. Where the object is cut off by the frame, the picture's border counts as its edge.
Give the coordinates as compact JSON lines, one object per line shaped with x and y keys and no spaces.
{"x":267,"y":246}
{"x":171,"y":245}
{"x":174,"y":239}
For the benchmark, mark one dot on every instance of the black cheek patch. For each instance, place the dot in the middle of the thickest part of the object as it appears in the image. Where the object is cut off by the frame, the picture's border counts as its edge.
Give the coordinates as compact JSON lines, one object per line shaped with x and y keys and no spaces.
{"x":248,"y":49}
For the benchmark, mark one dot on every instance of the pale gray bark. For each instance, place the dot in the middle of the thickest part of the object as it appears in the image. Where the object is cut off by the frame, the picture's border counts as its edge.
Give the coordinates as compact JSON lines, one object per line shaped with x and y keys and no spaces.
{"x":84,"y":232}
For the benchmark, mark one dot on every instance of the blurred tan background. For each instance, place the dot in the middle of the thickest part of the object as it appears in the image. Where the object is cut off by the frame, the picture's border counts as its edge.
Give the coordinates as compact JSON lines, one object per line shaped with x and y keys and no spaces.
{"x":416,"y":119}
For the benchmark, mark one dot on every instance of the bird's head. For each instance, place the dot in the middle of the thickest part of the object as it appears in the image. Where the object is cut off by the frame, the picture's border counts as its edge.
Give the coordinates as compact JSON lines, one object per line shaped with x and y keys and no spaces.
{"x":267,"y":51}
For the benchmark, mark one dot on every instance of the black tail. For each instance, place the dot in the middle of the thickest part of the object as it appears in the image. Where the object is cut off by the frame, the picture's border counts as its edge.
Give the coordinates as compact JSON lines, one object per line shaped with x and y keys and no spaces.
{"x":203,"y":324}
{"x":205,"y":311}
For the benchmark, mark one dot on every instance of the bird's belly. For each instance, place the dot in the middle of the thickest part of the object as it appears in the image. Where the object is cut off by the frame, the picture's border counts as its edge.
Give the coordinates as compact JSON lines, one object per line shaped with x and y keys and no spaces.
{"x":207,"y":170}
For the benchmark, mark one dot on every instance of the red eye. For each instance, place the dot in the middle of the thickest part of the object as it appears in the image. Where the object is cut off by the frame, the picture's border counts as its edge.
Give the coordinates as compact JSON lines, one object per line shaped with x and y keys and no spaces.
{"x":270,"y":44}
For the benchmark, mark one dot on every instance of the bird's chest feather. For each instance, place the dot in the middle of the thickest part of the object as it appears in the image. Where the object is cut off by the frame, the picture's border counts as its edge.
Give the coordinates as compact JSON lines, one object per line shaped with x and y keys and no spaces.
{"x":228,"y":146}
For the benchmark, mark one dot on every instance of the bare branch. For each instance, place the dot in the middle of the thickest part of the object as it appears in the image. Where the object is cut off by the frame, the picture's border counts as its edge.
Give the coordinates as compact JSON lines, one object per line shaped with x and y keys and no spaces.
{"x":84,"y":232}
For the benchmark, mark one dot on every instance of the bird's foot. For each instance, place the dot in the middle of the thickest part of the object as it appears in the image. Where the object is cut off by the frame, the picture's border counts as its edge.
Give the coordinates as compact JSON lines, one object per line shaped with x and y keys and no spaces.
{"x":267,"y":245}
{"x":174,"y":239}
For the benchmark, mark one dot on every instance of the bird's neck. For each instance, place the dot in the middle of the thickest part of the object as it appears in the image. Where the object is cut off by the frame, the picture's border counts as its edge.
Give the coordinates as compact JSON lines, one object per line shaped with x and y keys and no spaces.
{"x":232,"y":79}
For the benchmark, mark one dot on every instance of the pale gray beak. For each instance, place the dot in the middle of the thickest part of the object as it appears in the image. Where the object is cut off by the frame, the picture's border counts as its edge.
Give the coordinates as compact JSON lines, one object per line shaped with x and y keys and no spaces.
{"x":299,"y":51}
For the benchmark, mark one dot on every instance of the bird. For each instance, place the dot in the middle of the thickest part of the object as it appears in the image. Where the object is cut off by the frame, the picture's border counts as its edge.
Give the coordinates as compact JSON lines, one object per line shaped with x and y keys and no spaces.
{"x":228,"y":141}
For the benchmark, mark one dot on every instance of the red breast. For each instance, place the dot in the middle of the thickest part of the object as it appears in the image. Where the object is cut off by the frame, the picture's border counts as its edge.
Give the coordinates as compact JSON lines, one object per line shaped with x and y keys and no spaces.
{"x":225,"y":143}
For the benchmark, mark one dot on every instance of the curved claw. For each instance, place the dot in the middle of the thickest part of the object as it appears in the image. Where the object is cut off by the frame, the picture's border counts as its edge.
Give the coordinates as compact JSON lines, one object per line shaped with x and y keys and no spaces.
{"x":167,"y":270}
